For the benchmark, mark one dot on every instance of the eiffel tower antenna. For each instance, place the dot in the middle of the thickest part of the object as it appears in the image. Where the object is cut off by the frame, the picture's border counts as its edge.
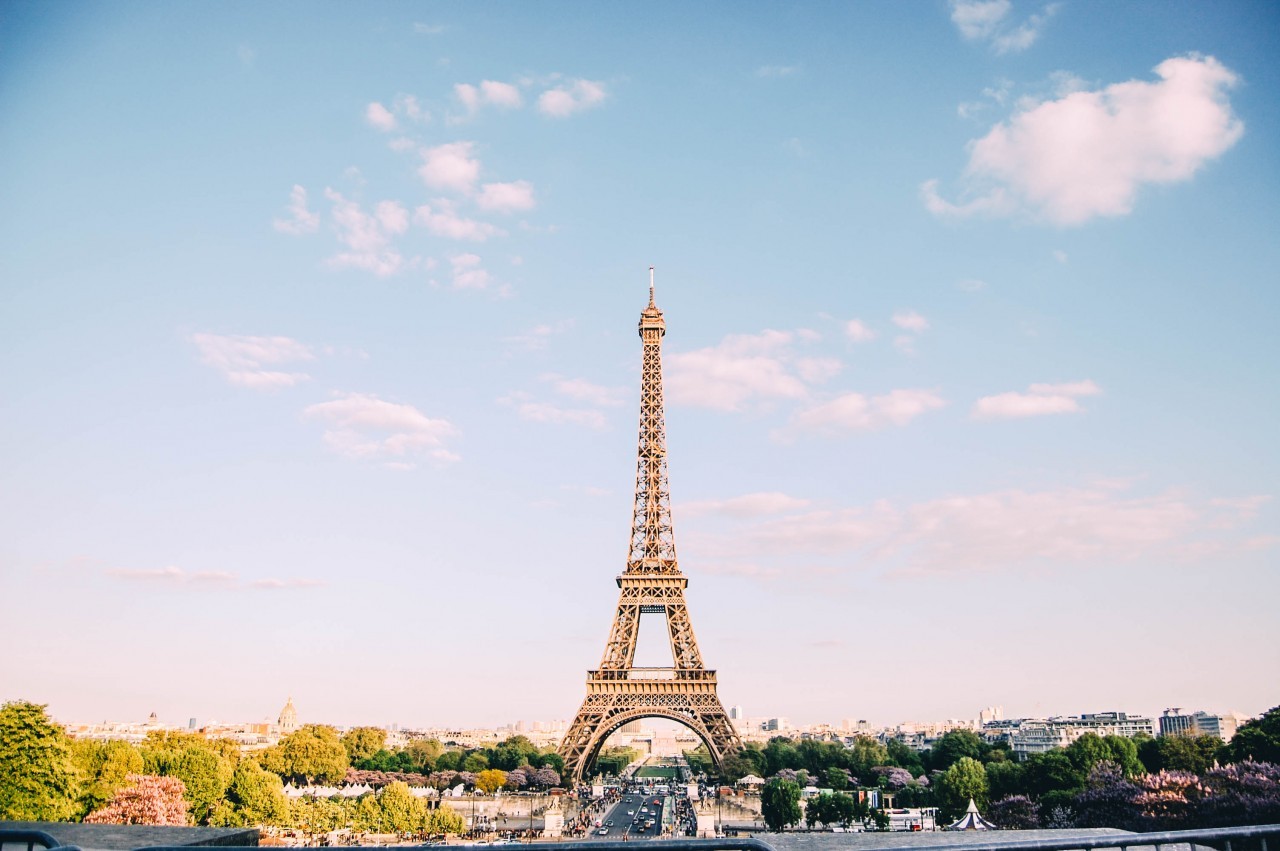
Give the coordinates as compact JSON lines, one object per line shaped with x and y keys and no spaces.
{"x":618,"y":692}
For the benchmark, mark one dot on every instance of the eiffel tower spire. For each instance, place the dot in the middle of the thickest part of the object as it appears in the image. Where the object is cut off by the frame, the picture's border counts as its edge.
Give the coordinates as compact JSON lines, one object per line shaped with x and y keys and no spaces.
{"x":651,"y":583}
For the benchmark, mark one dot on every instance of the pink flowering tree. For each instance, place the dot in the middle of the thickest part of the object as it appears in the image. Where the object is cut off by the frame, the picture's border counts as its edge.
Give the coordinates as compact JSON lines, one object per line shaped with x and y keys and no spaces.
{"x":146,"y":799}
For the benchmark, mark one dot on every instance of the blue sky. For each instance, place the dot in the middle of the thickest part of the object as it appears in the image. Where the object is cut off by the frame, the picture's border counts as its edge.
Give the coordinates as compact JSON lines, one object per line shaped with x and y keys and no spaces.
{"x":320,"y":374}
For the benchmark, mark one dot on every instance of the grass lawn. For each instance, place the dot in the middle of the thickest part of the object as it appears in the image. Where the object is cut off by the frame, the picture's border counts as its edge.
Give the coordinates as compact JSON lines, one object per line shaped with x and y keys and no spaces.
{"x":666,"y":772}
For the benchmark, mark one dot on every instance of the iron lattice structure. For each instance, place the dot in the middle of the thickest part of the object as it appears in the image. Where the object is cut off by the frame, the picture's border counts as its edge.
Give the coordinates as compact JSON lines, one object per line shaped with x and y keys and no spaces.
{"x":618,"y":692}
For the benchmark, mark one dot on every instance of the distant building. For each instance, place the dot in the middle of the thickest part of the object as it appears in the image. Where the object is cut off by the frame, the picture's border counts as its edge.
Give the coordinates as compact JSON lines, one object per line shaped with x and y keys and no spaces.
{"x":1028,"y":736}
{"x":776,"y":725}
{"x":191,"y":725}
{"x":736,"y":713}
{"x":991,"y":713}
{"x":288,"y":717}
{"x":1174,"y":722}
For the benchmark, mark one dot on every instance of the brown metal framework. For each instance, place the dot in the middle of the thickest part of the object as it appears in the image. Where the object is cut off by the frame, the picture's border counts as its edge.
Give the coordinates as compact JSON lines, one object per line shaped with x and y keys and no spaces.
{"x":652,"y":583}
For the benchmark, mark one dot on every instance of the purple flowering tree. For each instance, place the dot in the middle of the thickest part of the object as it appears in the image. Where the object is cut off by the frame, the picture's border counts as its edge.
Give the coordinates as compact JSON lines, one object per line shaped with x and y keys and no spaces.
{"x":545,"y":778}
{"x":1015,"y":812}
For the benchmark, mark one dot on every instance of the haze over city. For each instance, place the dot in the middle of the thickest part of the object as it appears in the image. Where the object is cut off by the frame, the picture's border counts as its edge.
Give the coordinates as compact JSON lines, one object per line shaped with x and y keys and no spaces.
{"x":320,"y":369}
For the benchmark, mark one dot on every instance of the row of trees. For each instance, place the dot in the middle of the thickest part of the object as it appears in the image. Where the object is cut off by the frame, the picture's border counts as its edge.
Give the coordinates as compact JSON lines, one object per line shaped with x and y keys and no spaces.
{"x":366,"y":749}
{"x":47,"y":776}
{"x":1096,"y":781}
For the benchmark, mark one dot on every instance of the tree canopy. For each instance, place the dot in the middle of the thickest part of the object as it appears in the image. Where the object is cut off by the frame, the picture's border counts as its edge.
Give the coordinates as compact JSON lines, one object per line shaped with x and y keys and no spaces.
{"x":780,"y":803}
{"x":37,"y":774}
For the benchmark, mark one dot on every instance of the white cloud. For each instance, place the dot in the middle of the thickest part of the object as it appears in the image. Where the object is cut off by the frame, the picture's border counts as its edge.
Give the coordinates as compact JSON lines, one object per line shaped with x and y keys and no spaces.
{"x":776,"y":70}
{"x":443,"y":220}
{"x":204,"y":580}
{"x":1039,"y":400}
{"x":571,"y":97}
{"x":468,"y":273}
{"x":743,"y":369}
{"x":858,"y":331}
{"x":547,"y":412}
{"x":243,"y":360}
{"x":301,"y":220}
{"x":363,"y":427}
{"x":1060,"y":255}
{"x":853,"y":412}
{"x":581,"y":390}
{"x":1100,"y":524}
{"x":989,"y":21}
{"x":747,"y":505}
{"x":971,"y":285}
{"x":1087,"y":153}
{"x":909,"y":320}
{"x":367,"y":237}
{"x":408,"y":106}
{"x":380,"y":117}
{"x":536,"y":338}
{"x":506,"y":197}
{"x":451,"y":166}
{"x":428,"y":29}
{"x":488,"y":93}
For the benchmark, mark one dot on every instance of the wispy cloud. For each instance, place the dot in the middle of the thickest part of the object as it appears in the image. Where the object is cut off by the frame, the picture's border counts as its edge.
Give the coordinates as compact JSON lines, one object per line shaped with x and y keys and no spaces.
{"x":452,"y":166}
{"x":422,"y":28}
{"x":578,"y":402}
{"x":572,"y":97}
{"x":990,"y":21}
{"x":537,"y":337}
{"x":746,"y":369}
{"x":380,"y":117}
{"x":301,"y":220}
{"x":854,"y":412}
{"x":858,"y":331}
{"x":205,"y":580}
{"x":488,"y":93}
{"x":468,"y":273}
{"x":1086,"y":154}
{"x":363,"y":427}
{"x":776,"y":70}
{"x":1039,"y":400}
{"x":1099,"y":524}
{"x":909,"y":320}
{"x":367,"y":236}
{"x":245,"y":360}
{"x":747,"y":505}
{"x":516,"y":196}
{"x":442,"y":219}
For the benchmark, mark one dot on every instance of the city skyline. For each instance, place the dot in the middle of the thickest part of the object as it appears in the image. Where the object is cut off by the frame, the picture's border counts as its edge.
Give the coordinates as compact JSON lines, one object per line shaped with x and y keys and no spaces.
{"x":321,"y":375}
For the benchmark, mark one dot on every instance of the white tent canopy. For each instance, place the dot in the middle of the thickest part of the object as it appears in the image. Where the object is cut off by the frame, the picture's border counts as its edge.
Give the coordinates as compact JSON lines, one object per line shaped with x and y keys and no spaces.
{"x":751,"y":780}
{"x":972,"y":820}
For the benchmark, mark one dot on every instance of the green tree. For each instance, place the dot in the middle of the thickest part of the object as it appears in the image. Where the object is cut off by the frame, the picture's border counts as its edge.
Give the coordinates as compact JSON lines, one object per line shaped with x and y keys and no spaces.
{"x":836,"y":778}
{"x":965,"y":779}
{"x":1050,"y":771}
{"x":314,"y":754}
{"x":475,"y":762}
{"x":1086,"y":752}
{"x":424,"y":752}
{"x":1124,"y":753}
{"x":781,"y":753}
{"x":1180,"y":753}
{"x":749,"y":760}
{"x":103,"y":769}
{"x":551,"y":759}
{"x":37,"y":775}
{"x":443,"y":820}
{"x":363,"y":742}
{"x":952,"y":747}
{"x":834,"y":808}
{"x":1258,"y":740}
{"x":1005,"y":779}
{"x":864,"y":754}
{"x":399,"y":809}
{"x":256,"y":797}
{"x":901,"y":755}
{"x":206,"y":775}
{"x":780,"y":803}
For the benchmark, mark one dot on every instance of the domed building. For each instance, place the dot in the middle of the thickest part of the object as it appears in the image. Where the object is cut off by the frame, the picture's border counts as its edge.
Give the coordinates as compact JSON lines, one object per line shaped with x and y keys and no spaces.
{"x":288,"y":717}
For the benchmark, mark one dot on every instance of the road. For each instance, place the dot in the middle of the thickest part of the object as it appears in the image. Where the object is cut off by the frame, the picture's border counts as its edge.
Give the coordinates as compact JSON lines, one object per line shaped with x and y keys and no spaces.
{"x":628,"y":818}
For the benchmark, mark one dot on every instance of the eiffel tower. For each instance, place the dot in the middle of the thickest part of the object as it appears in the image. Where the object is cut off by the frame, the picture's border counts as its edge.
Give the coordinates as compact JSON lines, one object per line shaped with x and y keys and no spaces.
{"x":652,"y":583}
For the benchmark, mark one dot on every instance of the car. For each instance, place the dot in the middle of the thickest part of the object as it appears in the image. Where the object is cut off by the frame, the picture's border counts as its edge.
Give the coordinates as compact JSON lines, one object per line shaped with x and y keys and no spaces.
{"x":631,"y":812}
{"x":604,"y":831}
